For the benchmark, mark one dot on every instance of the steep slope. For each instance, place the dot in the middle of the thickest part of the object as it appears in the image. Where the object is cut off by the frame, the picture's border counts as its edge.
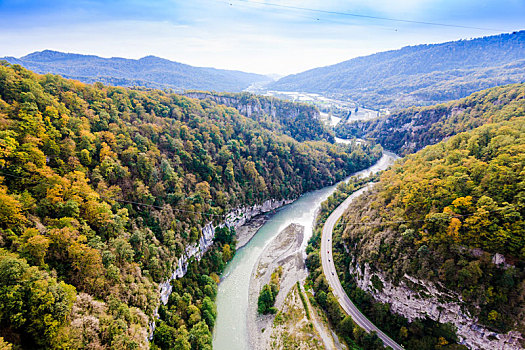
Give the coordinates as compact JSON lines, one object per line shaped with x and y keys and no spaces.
{"x":299,"y":120}
{"x":420,"y":334}
{"x":419,"y":75}
{"x":150,"y":71}
{"x":104,"y":190}
{"x":442,"y":235}
{"x":410,"y":130}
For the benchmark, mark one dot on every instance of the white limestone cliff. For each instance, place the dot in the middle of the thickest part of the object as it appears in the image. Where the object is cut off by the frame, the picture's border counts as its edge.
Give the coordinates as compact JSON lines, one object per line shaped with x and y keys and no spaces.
{"x":234,"y":219}
{"x":256,"y":106}
{"x":414,"y":298}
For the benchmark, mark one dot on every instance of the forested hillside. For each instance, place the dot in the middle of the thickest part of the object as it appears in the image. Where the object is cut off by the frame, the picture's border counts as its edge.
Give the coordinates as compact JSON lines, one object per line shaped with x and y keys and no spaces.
{"x":299,"y":120}
{"x":411,"y":129}
{"x":453,"y":214}
{"x":150,"y":71}
{"x":101,"y":190}
{"x":418,"y":75}
{"x":419,"y":334}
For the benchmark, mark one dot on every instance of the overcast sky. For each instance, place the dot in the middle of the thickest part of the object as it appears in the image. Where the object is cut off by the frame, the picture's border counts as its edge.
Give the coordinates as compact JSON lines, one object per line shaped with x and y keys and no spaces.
{"x":259,"y":36}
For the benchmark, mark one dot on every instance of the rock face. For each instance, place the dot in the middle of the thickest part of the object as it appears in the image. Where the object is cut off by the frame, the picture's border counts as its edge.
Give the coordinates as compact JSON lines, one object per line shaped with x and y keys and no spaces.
{"x":194,"y":250}
{"x":240,"y":216}
{"x":414,"y":298}
{"x":298,"y":120}
{"x":234,"y":219}
{"x":258,"y":105}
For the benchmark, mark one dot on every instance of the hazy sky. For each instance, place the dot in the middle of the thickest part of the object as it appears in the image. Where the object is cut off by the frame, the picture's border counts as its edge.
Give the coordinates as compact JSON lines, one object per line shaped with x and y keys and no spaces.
{"x":251,"y":35}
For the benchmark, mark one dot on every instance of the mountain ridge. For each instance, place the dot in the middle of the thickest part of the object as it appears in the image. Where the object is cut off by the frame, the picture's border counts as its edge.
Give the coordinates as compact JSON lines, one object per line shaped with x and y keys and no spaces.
{"x":149,"y":71}
{"x":399,"y":78}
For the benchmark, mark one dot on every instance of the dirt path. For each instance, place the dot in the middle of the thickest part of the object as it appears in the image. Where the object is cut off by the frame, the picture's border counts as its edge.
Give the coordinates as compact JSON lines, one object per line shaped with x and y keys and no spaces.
{"x":318,"y":319}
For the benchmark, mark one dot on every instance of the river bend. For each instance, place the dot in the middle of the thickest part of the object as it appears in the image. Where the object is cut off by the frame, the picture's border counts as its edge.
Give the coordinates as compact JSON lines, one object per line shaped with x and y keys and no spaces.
{"x":231,"y":331}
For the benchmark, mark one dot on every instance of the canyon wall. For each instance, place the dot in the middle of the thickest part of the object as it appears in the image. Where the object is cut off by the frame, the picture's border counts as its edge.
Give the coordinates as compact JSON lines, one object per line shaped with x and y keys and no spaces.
{"x":414,"y":298}
{"x":234,"y":219}
{"x":252,"y":105}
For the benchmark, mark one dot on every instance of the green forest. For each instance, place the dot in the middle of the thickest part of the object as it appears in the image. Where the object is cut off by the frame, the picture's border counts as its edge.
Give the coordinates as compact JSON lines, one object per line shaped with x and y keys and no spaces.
{"x":409,"y":130}
{"x":445,"y":213}
{"x":418,"y":75}
{"x":101,"y":190}
{"x":298,"y":120}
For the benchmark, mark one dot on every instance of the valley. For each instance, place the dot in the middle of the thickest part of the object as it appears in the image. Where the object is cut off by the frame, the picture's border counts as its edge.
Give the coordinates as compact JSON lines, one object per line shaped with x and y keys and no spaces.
{"x":232,"y":298}
{"x":335,"y":175}
{"x":331,"y":108}
{"x":129,"y":187}
{"x":328,"y":106}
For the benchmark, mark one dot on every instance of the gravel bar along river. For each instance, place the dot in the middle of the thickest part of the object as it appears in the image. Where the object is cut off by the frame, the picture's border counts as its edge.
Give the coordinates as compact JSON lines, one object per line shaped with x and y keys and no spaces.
{"x":231,"y":331}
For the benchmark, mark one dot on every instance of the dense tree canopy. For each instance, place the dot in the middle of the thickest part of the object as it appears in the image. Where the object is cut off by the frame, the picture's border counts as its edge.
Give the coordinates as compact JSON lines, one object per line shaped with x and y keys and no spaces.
{"x":445,"y":212}
{"x":411,"y":129}
{"x":103,"y":188}
{"x":299,"y":120}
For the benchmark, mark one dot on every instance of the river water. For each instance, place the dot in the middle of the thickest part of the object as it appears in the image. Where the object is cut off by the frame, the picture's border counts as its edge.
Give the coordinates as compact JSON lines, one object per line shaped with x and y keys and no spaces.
{"x":231,"y":331}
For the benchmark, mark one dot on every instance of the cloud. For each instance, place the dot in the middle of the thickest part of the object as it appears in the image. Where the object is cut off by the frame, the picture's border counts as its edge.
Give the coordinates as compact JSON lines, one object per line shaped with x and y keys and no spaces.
{"x":245,"y":36}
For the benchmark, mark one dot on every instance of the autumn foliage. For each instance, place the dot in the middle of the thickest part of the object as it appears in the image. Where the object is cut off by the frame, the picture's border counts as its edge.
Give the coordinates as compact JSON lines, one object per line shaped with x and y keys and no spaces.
{"x":102,"y":189}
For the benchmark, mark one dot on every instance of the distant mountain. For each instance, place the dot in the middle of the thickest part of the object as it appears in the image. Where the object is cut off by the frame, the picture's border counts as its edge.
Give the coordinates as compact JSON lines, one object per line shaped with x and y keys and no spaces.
{"x":150,"y":71}
{"x":419,"y":75}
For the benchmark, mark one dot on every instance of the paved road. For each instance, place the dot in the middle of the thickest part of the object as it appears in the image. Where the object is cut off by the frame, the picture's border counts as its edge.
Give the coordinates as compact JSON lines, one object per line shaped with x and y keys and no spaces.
{"x":333,"y":279}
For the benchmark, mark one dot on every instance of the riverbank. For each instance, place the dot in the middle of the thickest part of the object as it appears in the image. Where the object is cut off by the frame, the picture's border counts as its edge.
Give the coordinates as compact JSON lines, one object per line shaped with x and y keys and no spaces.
{"x":292,"y":325}
{"x":284,"y":252}
{"x":245,"y":233}
{"x":233,"y":296}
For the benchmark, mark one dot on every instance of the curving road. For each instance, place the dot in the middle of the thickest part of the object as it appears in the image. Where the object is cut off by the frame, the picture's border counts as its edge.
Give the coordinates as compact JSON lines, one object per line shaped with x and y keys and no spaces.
{"x":333,"y":280}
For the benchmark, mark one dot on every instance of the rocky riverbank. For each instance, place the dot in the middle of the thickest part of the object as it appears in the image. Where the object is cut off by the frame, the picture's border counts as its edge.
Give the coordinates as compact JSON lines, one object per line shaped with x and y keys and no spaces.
{"x":246,"y":232}
{"x":291,"y":325}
